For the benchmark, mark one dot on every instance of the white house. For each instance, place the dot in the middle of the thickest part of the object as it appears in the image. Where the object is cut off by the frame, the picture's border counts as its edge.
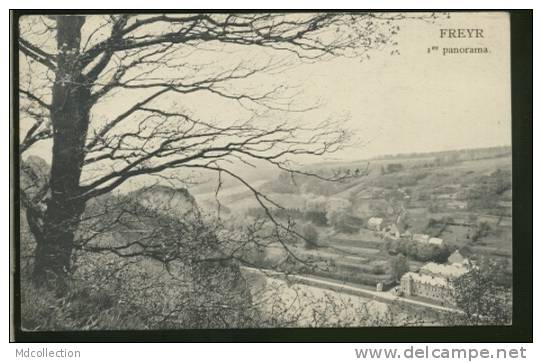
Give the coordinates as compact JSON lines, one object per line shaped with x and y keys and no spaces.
{"x":457,"y":258}
{"x":448,"y":271}
{"x":394,"y":232}
{"x":375,"y":223}
{"x":436,"y":241}
{"x":421,"y":238}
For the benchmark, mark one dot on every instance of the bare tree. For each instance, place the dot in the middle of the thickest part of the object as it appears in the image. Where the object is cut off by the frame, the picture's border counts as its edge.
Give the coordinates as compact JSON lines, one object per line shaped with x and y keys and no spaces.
{"x":71,"y":65}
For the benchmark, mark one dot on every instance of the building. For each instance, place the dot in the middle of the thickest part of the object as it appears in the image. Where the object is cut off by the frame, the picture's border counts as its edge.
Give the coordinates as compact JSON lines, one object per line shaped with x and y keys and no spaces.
{"x":447,"y":271}
{"x":433,"y":281}
{"x":435,"y":288}
{"x":457,"y":258}
{"x":445,"y":197}
{"x":426,"y":239}
{"x":457,"y":204}
{"x":435,"y":241}
{"x":421,"y":238}
{"x":375,"y":223}
{"x":505,"y":203}
{"x":393,"y":232}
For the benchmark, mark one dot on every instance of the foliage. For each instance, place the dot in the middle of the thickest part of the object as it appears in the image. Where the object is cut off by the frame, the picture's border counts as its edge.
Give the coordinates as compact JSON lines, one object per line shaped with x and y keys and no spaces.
{"x":136,"y":280}
{"x":310,"y":235}
{"x":133,"y":265}
{"x":446,"y":159}
{"x":319,"y":187}
{"x":397,"y":202}
{"x":435,"y":227}
{"x":115,"y":294}
{"x":339,"y":216}
{"x":482,"y":297}
{"x":433,"y":207}
{"x":418,"y":251}
{"x":398,"y":266}
{"x":394,"y":167}
{"x":136,"y":58}
{"x":279,"y":213}
{"x":482,"y":229}
{"x":342,"y":221}
{"x":317,"y":217}
{"x":488,"y":189}
{"x":284,"y":184}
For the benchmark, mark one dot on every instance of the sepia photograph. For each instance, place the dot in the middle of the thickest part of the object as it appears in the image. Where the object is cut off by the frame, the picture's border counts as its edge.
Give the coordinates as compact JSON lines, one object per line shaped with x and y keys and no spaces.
{"x":262,"y":170}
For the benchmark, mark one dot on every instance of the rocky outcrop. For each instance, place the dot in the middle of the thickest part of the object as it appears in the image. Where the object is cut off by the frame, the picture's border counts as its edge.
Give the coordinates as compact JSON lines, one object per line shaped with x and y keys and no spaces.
{"x":176,"y":202}
{"x":34,"y":178}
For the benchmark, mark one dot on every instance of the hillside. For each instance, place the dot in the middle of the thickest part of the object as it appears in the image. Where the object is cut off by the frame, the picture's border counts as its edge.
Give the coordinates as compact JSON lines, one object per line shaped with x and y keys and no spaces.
{"x":140,"y":258}
{"x":462,"y":197}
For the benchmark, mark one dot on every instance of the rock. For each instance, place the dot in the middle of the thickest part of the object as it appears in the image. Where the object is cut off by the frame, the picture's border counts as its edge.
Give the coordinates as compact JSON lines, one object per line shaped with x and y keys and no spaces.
{"x":34,"y":178}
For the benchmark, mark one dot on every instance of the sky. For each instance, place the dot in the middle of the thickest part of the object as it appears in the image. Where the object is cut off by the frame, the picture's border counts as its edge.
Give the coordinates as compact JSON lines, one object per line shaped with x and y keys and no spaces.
{"x":420,"y":102}
{"x":413,"y":101}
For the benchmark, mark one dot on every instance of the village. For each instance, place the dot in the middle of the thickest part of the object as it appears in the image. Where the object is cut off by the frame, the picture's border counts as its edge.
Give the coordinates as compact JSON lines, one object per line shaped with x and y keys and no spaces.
{"x":188,"y":171}
{"x":405,"y":226}
{"x":433,"y":281}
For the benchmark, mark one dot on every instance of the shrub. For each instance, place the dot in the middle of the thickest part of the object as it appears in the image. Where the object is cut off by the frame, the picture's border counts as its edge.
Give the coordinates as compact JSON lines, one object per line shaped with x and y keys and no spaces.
{"x":418,"y":251}
{"x":394,"y":167}
{"x":398,"y":266}
{"x":110,"y":292}
{"x":316,"y":217}
{"x":434,"y":208}
{"x":482,"y":296}
{"x":482,"y":230}
{"x":343,"y":222}
{"x":311,"y":236}
{"x":379,"y":269}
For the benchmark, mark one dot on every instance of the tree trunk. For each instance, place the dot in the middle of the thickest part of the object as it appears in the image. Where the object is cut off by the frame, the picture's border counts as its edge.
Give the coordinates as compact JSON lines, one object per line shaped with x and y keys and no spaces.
{"x":70,"y":119}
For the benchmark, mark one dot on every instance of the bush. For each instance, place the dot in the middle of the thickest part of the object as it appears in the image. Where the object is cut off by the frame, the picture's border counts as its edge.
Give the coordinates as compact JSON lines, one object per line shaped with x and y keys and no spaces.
{"x":343,"y":222}
{"x":316,"y":217}
{"x":433,"y":208}
{"x":109,"y":292}
{"x":283,"y":184}
{"x":418,"y":251}
{"x":482,"y":230}
{"x":394,"y":167}
{"x":83,"y":307}
{"x":482,"y":296}
{"x":311,"y":236}
{"x":398,"y":266}
{"x":379,"y":269}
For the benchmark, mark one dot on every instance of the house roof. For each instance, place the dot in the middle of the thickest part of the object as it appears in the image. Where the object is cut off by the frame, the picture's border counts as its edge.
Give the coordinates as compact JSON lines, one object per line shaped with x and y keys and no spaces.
{"x":426,"y":279}
{"x":444,"y":270}
{"x":420,"y":237}
{"x":436,"y":241}
{"x":456,"y":257}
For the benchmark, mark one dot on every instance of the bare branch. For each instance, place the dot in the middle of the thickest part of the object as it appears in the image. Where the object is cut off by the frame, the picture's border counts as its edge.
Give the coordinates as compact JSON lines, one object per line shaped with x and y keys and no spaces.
{"x":37,"y":54}
{"x":36,"y":99}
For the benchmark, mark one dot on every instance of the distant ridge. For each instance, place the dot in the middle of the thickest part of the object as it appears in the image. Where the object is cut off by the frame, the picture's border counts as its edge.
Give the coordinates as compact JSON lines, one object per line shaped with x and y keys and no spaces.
{"x":466,"y":153}
{"x":497,"y":150}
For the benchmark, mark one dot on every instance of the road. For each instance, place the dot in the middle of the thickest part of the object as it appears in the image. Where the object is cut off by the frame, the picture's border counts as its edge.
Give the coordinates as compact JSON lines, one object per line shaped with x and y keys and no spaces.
{"x":349,"y":288}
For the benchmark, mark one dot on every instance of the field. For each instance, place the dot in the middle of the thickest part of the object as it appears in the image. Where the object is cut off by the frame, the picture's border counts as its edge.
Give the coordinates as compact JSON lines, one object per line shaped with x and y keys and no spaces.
{"x":464,"y":200}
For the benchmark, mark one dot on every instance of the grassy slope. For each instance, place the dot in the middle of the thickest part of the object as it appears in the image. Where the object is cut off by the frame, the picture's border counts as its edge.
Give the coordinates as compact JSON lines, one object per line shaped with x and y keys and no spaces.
{"x":461,"y":175}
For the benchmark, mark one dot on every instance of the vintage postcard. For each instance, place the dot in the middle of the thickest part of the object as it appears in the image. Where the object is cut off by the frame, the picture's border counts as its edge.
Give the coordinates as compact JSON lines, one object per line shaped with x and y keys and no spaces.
{"x":263,"y":170}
